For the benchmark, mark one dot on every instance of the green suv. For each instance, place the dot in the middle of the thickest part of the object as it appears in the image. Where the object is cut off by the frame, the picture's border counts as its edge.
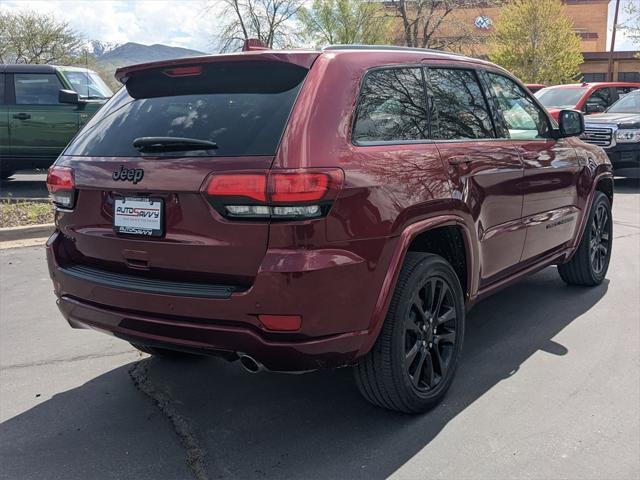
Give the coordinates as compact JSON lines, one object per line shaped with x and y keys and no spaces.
{"x":41,"y":109}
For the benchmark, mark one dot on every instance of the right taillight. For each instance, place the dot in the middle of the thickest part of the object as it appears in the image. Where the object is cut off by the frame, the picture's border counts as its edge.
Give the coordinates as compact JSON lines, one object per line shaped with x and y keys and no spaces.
{"x":61,"y":186}
{"x":279,"y":194}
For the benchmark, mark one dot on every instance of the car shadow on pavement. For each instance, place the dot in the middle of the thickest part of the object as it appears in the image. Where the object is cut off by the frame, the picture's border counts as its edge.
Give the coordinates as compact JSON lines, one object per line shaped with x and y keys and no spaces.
{"x":282,"y":426}
{"x":624,"y":186}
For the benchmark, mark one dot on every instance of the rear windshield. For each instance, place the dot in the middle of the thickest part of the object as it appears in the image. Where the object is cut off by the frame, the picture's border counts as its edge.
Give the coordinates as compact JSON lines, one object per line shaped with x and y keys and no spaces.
{"x":241,"y":106}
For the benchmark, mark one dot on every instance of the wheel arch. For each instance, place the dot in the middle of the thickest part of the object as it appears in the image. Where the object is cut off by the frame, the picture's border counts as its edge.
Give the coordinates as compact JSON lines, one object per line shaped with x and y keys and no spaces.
{"x":415,"y":238}
{"x":603,"y":182}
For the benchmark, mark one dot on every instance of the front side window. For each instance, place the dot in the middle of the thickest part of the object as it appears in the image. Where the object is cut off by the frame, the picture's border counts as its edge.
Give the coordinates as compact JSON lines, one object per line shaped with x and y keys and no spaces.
{"x":392,"y":107}
{"x":87,"y":84}
{"x":1,"y":88}
{"x":458,"y":108}
{"x":523,"y":119}
{"x":37,"y":88}
{"x":600,"y":99}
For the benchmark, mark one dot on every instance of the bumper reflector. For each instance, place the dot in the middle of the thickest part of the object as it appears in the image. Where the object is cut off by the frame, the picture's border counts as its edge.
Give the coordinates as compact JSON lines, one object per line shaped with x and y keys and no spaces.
{"x":281,"y":323}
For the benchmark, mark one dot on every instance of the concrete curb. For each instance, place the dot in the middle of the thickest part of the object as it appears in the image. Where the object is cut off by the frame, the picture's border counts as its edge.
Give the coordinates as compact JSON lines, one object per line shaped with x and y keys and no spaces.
{"x":25,"y":199}
{"x":23,"y":233}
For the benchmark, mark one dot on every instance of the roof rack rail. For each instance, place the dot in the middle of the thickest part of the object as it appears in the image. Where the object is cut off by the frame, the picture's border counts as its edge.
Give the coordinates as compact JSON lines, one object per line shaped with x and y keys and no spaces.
{"x":386,"y":47}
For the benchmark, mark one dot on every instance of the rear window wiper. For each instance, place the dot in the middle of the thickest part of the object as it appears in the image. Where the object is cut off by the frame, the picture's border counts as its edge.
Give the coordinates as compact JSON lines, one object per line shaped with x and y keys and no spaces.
{"x":172,"y":144}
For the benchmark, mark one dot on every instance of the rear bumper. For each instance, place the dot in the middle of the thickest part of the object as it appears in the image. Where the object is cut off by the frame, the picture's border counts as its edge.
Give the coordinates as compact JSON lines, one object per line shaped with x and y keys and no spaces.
{"x":312,"y":354}
{"x":334,"y":291}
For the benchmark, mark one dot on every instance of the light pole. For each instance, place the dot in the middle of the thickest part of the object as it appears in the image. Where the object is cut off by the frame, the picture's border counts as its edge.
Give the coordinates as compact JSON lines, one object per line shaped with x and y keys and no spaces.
{"x":613,"y":42}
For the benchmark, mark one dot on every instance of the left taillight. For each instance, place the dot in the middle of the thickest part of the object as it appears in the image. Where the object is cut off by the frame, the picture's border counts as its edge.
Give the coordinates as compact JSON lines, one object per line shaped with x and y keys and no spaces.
{"x":279,"y":195}
{"x":61,"y":186}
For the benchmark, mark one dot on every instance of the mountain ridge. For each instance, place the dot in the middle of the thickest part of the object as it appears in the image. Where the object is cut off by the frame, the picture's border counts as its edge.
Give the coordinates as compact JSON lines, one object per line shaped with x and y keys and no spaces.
{"x":131,"y":52}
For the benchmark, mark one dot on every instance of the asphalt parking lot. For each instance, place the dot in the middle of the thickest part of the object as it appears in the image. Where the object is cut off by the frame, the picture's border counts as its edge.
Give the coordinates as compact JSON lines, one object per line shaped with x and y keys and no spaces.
{"x":549,"y":388}
{"x":27,"y":184}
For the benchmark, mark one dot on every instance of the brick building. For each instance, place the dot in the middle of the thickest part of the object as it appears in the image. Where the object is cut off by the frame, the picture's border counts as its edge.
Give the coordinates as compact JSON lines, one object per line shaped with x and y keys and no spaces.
{"x":589,"y":18}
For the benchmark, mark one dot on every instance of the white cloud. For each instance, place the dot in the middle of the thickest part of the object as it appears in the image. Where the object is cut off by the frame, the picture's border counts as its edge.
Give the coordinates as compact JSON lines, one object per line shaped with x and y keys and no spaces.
{"x":180,"y":23}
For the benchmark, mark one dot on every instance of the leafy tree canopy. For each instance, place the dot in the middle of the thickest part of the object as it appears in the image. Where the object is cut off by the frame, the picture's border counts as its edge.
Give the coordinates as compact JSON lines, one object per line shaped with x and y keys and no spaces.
{"x":535,"y":40}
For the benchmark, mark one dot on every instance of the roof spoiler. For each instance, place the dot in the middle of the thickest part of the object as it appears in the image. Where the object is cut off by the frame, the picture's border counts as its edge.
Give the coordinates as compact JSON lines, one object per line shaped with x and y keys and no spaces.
{"x":253,"y":44}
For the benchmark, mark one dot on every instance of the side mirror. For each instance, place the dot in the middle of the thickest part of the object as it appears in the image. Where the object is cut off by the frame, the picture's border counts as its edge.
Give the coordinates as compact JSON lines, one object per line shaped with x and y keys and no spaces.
{"x":593,"y":108}
{"x":68,"y":96}
{"x":571,"y":123}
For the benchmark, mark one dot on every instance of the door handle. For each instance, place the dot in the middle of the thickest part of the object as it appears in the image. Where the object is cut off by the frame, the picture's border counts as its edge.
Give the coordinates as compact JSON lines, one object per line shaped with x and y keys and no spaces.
{"x":459,"y":159}
{"x":22,"y":116}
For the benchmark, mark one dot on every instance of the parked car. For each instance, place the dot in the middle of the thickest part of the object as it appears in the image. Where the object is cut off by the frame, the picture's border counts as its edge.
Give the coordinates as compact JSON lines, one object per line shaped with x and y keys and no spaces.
{"x":534,"y":87}
{"x":297,"y":210}
{"x":587,"y":97}
{"x":41,"y":109}
{"x":618,"y":132}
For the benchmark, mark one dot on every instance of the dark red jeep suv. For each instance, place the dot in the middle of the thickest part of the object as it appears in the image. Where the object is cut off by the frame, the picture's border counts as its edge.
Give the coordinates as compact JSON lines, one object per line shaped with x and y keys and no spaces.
{"x":297,"y":210}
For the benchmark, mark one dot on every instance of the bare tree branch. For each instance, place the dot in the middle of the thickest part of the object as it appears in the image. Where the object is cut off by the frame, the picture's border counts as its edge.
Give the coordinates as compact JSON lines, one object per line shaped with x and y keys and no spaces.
{"x":270,"y":21}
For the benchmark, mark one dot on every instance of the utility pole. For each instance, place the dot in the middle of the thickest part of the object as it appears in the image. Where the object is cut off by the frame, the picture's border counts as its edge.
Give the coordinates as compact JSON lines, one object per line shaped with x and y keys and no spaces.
{"x":613,"y":42}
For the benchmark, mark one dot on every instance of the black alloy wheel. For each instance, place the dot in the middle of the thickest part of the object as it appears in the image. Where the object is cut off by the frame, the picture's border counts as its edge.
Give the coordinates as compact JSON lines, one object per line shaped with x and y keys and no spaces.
{"x":413,"y":362}
{"x":430,"y":334}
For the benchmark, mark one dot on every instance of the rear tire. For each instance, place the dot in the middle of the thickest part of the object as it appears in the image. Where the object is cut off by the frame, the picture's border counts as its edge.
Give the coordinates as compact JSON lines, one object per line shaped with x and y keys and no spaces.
{"x":590,"y":262}
{"x":164,"y":352}
{"x":413,"y":361}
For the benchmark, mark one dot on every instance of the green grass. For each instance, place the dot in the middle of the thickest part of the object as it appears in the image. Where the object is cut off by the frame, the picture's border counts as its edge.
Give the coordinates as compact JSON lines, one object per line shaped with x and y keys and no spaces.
{"x":16,"y":214}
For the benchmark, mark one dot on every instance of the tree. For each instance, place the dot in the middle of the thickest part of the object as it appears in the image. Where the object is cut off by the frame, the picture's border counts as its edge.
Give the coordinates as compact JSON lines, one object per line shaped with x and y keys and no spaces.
{"x":632,"y":26}
{"x":29,"y":37}
{"x":433,"y":23}
{"x":535,"y":40}
{"x":346,"y":22}
{"x":270,"y":21}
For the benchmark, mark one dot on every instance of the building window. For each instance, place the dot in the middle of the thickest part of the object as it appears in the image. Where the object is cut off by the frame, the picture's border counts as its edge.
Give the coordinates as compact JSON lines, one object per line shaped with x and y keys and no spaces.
{"x":594,"y":77}
{"x":629,"y":77}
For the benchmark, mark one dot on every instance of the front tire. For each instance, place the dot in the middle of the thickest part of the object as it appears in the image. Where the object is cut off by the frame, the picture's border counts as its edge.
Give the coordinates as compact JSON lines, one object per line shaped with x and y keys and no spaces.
{"x":413,"y":361}
{"x":590,"y":263}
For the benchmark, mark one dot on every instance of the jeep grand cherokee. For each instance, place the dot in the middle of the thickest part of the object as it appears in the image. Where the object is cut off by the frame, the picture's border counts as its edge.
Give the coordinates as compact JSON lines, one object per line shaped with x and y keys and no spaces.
{"x":297,"y":210}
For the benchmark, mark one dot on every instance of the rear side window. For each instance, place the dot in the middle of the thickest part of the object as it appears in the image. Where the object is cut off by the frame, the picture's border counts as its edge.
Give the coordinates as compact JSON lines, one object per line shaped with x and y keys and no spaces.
{"x":391,"y":107}
{"x":37,"y":88}
{"x":458,"y":108}
{"x":241,"y":106}
{"x":622,"y":91}
{"x":2,"y":94}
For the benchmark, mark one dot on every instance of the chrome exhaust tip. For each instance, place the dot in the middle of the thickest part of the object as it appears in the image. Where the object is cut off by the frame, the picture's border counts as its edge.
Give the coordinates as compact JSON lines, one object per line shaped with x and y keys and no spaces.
{"x":250,"y":364}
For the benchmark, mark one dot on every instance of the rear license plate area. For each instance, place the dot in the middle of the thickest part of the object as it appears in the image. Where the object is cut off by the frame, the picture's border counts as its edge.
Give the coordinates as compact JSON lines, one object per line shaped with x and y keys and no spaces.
{"x":138,"y":216}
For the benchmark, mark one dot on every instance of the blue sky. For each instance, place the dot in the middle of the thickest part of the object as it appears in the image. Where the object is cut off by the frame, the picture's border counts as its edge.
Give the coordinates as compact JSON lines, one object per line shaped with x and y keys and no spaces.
{"x":180,"y":23}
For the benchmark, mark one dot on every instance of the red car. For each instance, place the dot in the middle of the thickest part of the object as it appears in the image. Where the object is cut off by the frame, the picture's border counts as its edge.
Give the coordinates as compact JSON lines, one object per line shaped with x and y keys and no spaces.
{"x":587,"y":97}
{"x":534,"y":87}
{"x":297,"y":210}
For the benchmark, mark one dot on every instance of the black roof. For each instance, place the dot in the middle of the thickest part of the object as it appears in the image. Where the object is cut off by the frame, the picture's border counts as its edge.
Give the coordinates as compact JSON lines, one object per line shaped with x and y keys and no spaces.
{"x":26,"y":68}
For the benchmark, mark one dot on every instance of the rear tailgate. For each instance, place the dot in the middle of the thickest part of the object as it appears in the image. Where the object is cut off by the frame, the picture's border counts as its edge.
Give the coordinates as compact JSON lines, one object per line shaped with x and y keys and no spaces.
{"x":242,"y":106}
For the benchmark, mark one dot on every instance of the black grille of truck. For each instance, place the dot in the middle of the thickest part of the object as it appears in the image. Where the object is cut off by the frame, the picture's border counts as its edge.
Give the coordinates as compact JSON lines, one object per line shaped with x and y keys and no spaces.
{"x":598,"y":136}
